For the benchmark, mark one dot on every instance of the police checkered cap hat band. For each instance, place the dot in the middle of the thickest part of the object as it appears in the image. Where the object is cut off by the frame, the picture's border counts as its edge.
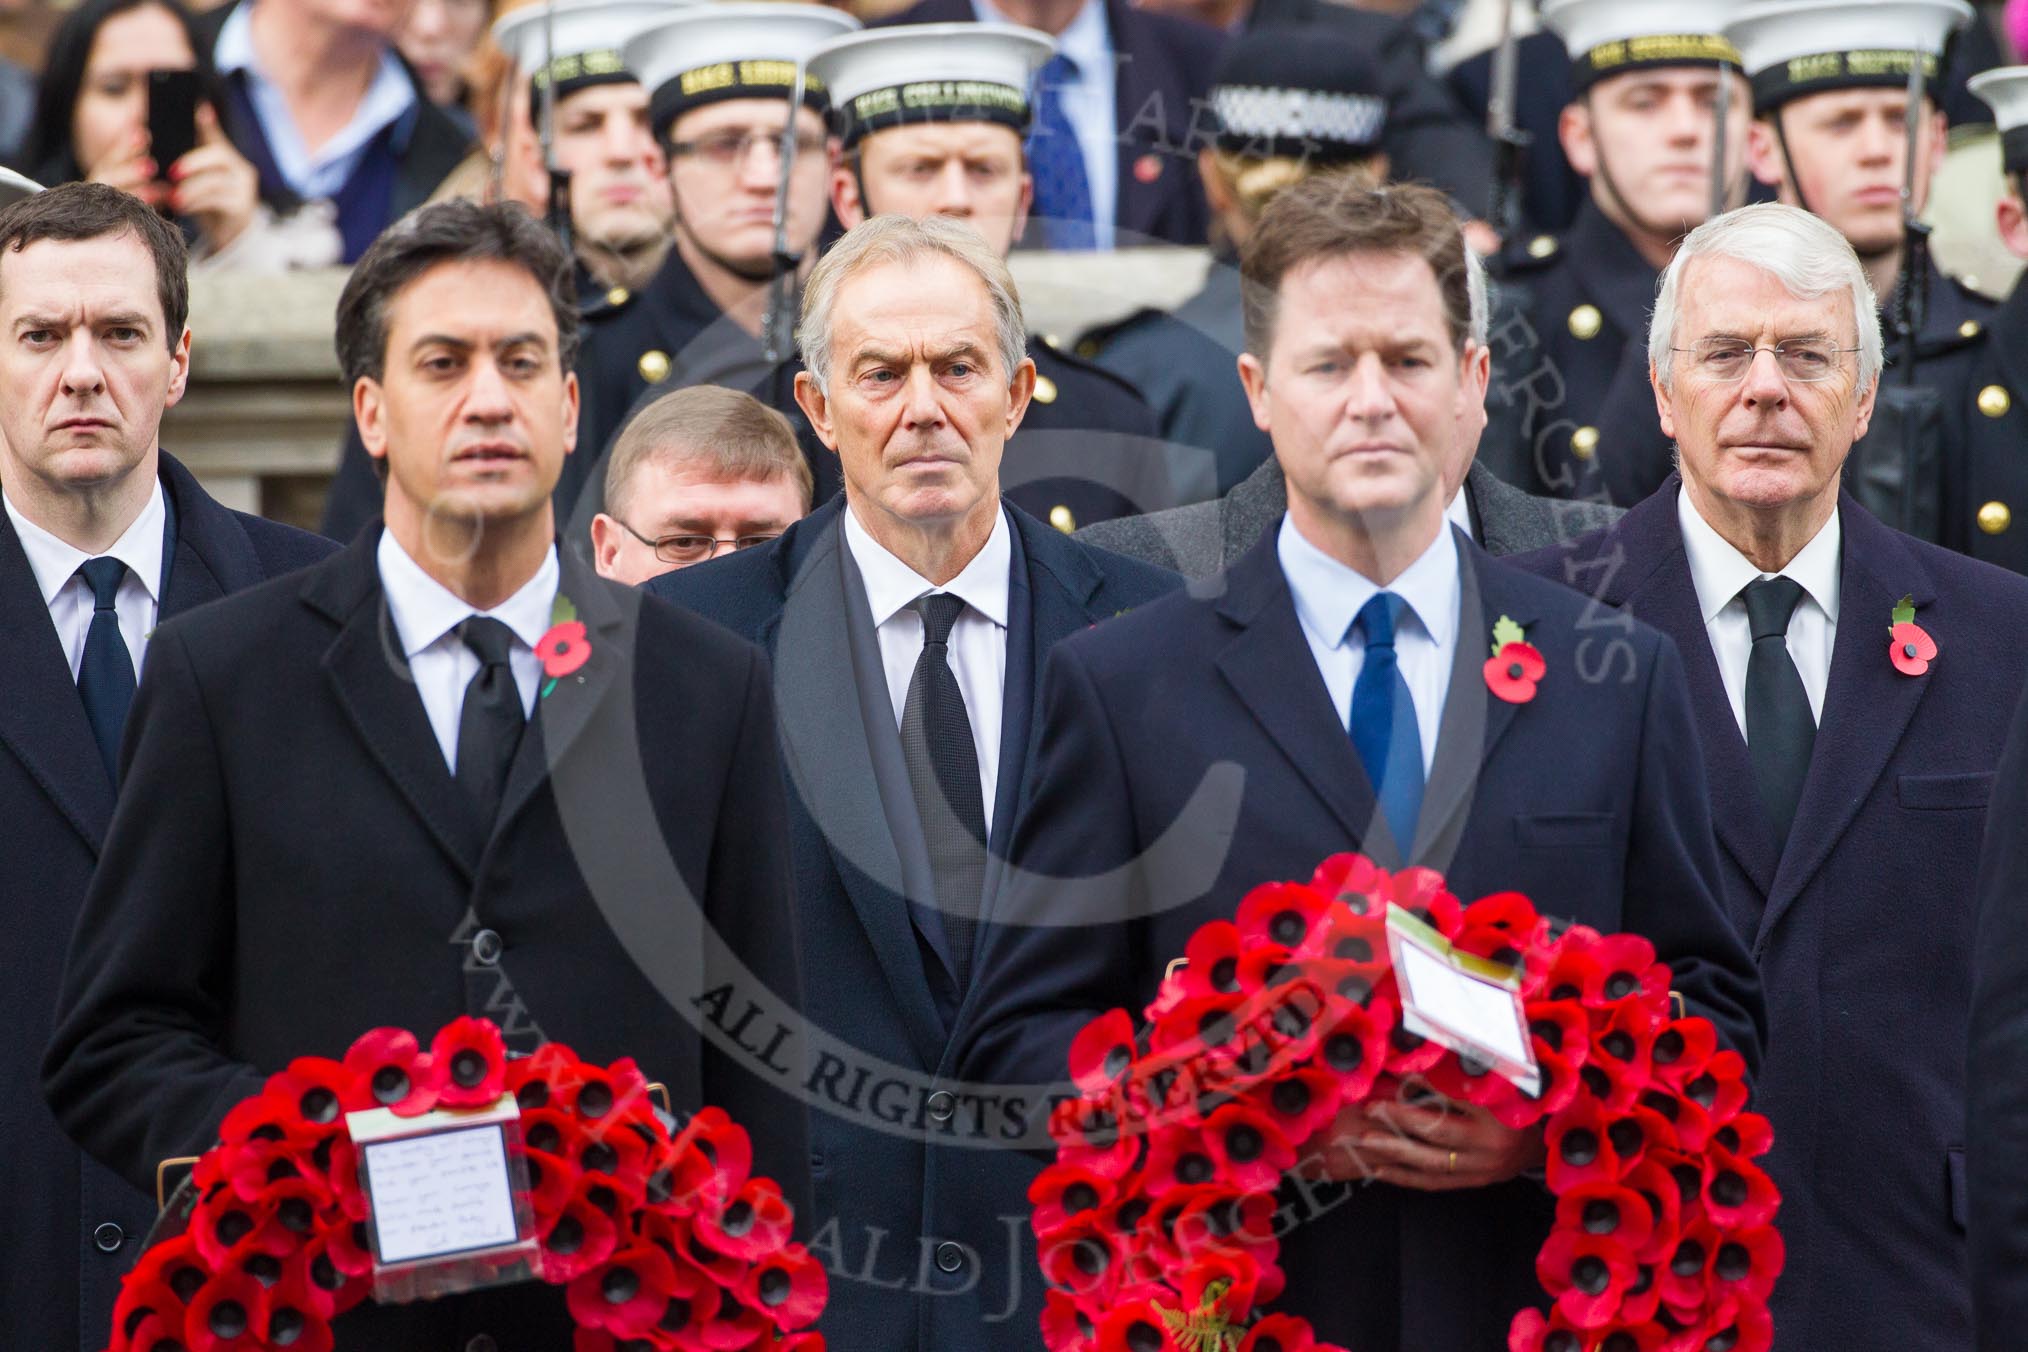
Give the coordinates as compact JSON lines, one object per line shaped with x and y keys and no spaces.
{"x":2005,"y":91}
{"x":1610,"y":37}
{"x":931,"y":72}
{"x":1792,"y":48}
{"x":1298,"y":91}
{"x":709,"y":53}
{"x":576,"y":29}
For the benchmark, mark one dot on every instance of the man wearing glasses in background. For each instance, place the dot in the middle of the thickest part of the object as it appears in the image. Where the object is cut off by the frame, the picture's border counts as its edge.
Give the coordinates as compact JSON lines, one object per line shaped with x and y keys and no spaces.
{"x":696,"y":474}
{"x":1847,"y":682}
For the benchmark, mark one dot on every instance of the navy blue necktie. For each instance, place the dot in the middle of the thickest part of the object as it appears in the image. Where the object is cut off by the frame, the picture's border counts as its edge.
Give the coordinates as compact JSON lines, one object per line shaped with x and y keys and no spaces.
{"x":1383,"y":726}
{"x":1055,"y":160}
{"x":105,"y":675}
{"x":1780,"y":730}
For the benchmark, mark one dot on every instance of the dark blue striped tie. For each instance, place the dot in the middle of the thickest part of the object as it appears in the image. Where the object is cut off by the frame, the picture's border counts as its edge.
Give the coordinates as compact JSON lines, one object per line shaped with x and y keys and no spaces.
{"x":1383,"y":726}
{"x":105,"y":676}
{"x":1056,"y":162}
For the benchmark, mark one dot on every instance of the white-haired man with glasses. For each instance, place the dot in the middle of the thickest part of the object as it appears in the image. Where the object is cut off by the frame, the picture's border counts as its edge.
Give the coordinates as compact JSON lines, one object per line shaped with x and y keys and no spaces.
{"x":1848,"y":682}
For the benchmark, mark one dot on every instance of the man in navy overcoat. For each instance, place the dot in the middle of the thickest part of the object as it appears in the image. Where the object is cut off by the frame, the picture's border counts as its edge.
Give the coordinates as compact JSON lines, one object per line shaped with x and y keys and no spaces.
{"x":1848,"y":684}
{"x":1328,"y":693}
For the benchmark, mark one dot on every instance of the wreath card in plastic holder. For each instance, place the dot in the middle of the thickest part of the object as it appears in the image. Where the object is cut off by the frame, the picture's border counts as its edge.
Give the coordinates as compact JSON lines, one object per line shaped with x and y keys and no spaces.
{"x":447,"y":1197}
{"x":1469,"y":1004}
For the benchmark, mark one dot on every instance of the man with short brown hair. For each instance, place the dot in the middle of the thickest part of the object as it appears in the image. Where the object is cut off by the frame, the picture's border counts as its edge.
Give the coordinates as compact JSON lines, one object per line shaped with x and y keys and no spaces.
{"x":1340,"y":667}
{"x":697,"y":473}
{"x":104,"y":535}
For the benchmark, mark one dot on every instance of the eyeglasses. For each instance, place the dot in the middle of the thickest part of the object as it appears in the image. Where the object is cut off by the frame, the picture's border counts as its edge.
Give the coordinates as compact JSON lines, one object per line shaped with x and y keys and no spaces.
{"x":729,"y":149}
{"x":684,"y":550}
{"x":1807,"y":360}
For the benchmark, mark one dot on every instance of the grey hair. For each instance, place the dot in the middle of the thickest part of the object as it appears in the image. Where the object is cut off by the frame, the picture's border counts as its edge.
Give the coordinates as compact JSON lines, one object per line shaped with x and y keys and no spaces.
{"x":901,"y":239}
{"x":1475,"y":295}
{"x":1807,"y":256}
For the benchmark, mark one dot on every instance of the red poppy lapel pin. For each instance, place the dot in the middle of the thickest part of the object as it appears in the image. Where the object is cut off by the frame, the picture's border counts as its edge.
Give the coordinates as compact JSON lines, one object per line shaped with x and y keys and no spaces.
{"x":1515,"y":666}
{"x":1909,"y":645}
{"x":565,"y":647}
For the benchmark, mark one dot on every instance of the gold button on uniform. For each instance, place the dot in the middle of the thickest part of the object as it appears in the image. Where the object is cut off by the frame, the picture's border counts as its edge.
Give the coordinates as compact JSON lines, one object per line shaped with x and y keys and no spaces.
{"x":653,"y":366}
{"x":1995,"y":517}
{"x":1049,"y":340}
{"x":1060,"y":517}
{"x":1542,"y":246}
{"x":1585,"y":321}
{"x":1994,"y":401}
{"x":1969,"y":329}
{"x":1584,"y":443}
{"x":1045,"y":390}
{"x":619,"y":295}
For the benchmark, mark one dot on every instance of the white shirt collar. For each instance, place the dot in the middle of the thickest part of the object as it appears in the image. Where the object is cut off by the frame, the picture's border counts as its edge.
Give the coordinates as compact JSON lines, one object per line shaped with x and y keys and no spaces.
{"x":1087,"y":43}
{"x":1719,"y":571}
{"x":54,"y":561}
{"x":892,"y":584}
{"x":1459,"y":513}
{"x":1328,"y":594}
{"x":388,"y":98}
{"x":425,"y":610}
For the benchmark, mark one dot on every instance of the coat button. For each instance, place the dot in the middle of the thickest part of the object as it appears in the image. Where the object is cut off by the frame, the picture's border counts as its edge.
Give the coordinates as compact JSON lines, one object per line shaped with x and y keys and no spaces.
{"x":1045,"y":390}
{"x":619,"y":295}
{"x":1542,"y":246}
{"x":482,"y":1342}
{"x":1585,"y":322}
{"x":1584,"y":443}
{"x":943,"y":1106}
{"x":108,"y":1237}
{"x":1062,"y":518}
{"x":1995,"y":517}
{"x":653,"y":366}
{"x":1969,"y":329}
{"x":1994,"y":401}
{"x":950,"y":1258}
{"x":487,"y":947}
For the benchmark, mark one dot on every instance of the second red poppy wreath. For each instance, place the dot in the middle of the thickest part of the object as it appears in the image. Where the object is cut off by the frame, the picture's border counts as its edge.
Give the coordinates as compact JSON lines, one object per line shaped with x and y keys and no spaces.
{"x":1155,"y":1224}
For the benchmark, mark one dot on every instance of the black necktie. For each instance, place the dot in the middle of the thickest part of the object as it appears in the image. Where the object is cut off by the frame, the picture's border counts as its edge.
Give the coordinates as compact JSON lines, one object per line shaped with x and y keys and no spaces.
{"x":490,"y":723}
{"x":105,"y":675}
{"x":1779,"y":728}
{"x":943,"y":772}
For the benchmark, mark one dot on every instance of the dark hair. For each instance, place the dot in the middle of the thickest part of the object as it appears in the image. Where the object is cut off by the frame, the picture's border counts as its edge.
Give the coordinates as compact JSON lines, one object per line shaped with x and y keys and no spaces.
{"x":48,"y":155}
{"x":1332,"y":215}
{"x":456,"y":231}
{"x":81,"y":211}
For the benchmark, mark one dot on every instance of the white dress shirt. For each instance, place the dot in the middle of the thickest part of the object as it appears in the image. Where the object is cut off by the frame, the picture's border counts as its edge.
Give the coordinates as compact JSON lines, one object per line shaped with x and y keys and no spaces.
{"x":323,"y":172}
{"x":1089,"y":101}
{"x":1328,"y":596}
{"x":69,"y":597}
{"x":425,"y":615}
{"x":978,"y":643}
{"x":1719,"y":572}
{"x":1459,"y":513}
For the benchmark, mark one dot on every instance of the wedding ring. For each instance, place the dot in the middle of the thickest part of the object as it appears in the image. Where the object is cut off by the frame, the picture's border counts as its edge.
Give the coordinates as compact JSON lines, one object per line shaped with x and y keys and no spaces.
{"x":1451,"y":1166}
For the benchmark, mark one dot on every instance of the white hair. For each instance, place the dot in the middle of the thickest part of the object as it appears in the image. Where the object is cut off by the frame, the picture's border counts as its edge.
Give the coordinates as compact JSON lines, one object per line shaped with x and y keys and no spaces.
{"x":901,"y":239}
{"x":1807,"y":256}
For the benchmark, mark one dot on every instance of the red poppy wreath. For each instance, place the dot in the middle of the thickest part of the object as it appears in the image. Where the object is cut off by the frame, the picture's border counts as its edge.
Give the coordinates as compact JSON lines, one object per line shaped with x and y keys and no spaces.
{"x":1155,"y":1225}
{"x":663,"y":1241}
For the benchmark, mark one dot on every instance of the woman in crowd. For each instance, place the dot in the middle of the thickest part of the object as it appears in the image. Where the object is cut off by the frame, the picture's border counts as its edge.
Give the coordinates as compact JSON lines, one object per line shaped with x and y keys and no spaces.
{"x":91,"y":122}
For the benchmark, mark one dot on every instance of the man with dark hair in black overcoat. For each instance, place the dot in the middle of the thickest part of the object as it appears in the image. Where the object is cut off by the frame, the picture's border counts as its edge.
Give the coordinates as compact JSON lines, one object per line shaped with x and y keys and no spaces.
{"x":360,"y":797}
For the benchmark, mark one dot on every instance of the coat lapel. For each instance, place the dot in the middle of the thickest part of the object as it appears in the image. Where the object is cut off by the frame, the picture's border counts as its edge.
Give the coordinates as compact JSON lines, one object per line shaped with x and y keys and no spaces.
{"x":370,"y":678}
{"x":1868,"y":705}
{"x":828,"y":757}
{"x":1266,"y":665}
{"x":42,"y":720}
{"x":213,"y":556}
{"x":1473,"y":720}
{"x":560,"y":717}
